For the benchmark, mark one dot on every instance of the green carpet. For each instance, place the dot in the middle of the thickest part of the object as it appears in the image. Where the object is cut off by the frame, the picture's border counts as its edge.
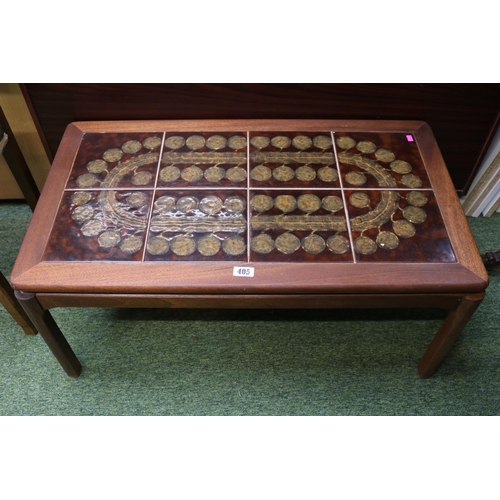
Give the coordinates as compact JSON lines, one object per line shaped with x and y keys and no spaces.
{"x":164,"y":362}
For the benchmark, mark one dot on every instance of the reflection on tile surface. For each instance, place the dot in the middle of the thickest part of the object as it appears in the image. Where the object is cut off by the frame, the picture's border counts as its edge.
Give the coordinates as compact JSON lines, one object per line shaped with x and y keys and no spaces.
{"x":198,"y":225}
{"x":250,"y":197}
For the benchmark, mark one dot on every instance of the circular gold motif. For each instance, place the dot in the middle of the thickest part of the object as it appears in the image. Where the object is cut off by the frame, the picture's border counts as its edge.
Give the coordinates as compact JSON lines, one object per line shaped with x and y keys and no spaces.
{"x":158,"y":245}
{"x":283,"y":173}
{"x":210,"y":204}
{"x":287,"y":243}
{"x":322,"y":142}
{"x":93,"y":227}
{"x":236,"y":174}
{"x":214,"y":174}
{"x":385,"y":155}
{"x":165,"y":204}
{"x":187,"y":204}
{"x":136,"y":200}
{"x":260,"y":141}
{"x":302,"y":142}
{"x":112,"y":155}
{"x":403,"y":228}
{"x":151,"y":142}
{"x":97,"y":166}
{"x":414,"y":215}
{"x":411,"y":181}
{"x":234,"y":245}
{"x":86,"y":180}
{"x":305,"y":173}
{"x":328,"y":174}
{"x":235,"y":204}
{"x":174,"y":142}
{"x":109,"y":239}
{"x":263,"y":244}
{"x":338,"y":244}
{"x":192,"y":174}
{"x":261,"y":173}
{"x":80,"y":197}
{"x":359,"y":200}
{"x":285,"y":203}
{"x":386,"y":239}
{"x":82,"y":213}
{"x":364,"y":245}
{"x":195,"y":142}
{"x":131,"y":244}
{"x":216,"y":142}
{"x":237,"y":142}
{"x":366,"y":147}
{"x":400,"y":167}
{"x":309,"y":203}
{"x":355,"y":178}
{"x":208,"y":245}
{"x":345,"y":142}
{"x":313,"y":244}
{"x":170,"y":174}
{"x":417,"y":198}
{"x":131,"y":147}
{"x":280,"y":142}
{"x":262,"y":203}
{"x":142,"y":178}
{"x":332,"y":203}
{"x":183,"y":245}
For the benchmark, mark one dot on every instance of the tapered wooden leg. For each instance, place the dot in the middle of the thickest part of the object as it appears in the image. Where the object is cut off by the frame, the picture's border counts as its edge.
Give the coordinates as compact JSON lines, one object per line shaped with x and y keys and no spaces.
{"x":11,"y":304}
{"x":50,"y":332}
{"x":448,"y":333}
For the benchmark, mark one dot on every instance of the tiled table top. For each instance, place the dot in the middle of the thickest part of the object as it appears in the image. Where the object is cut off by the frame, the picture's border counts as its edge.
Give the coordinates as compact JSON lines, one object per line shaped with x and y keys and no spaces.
{"x":305,"y":206}
{"x":249,"y":196}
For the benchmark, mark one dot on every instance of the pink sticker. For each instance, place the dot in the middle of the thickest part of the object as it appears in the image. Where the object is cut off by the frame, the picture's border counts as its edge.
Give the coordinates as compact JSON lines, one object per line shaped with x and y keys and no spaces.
{"x":409,"y":138}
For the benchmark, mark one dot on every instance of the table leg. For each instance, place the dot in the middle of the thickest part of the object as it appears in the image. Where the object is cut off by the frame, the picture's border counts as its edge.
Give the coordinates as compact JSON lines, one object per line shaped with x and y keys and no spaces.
{"x":50,"y":332}
{"x":11,"y":304}
{"x":448,"y":333}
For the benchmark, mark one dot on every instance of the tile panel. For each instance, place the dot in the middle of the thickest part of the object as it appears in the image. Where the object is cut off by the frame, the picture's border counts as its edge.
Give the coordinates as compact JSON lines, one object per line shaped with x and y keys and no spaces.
{"x":246,"y":196}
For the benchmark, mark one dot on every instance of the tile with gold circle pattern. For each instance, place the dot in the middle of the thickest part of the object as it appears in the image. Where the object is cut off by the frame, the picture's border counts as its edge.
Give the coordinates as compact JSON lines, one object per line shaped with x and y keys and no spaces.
{"x":397,"y":226}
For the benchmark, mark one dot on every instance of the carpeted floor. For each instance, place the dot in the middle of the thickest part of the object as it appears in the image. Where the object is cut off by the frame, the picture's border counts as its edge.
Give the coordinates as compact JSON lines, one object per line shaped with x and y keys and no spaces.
{"x":160,"y":362}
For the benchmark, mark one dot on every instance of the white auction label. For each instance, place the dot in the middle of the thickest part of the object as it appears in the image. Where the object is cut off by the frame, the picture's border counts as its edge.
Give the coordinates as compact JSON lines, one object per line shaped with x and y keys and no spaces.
{"x":243,"y":271}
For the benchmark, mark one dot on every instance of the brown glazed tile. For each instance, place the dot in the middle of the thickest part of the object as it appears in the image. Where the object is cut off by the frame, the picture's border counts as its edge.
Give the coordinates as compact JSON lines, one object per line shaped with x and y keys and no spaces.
{"x":199,"y":159}
{"x":298,"y":226}
{"x":378,"y":160}
{"x":196,"y":225}
{"x":116,"y":161}
{"x":397,"y":226}
{"x":100,"y":225}
{"x":292,"y":160}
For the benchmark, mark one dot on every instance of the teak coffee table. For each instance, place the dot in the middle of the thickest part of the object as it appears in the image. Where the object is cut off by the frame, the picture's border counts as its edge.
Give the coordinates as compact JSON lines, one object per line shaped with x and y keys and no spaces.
{"x":249,"y":214}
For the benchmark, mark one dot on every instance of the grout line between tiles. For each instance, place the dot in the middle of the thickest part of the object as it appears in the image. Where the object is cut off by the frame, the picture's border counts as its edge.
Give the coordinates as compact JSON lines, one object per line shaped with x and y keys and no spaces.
{"x":150,"y":213}
{"x":248,"y":197}
{"x":348,"y":222}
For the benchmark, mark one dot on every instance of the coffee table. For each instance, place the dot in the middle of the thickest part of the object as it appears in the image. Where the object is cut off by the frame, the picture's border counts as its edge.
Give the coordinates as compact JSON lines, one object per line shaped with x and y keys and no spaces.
{"x":249,"y":214}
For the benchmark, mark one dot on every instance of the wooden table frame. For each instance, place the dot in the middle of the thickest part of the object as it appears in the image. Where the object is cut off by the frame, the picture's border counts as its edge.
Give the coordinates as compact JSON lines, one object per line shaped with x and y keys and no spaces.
{"x":456,"y":286}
